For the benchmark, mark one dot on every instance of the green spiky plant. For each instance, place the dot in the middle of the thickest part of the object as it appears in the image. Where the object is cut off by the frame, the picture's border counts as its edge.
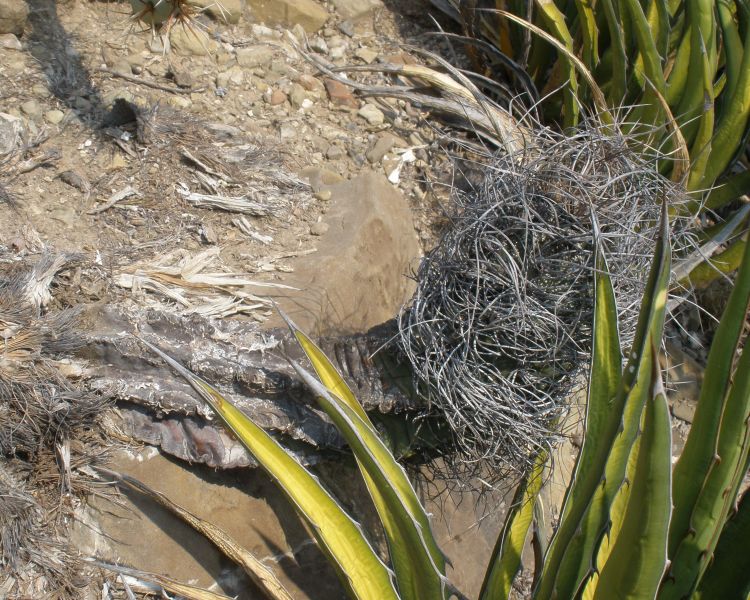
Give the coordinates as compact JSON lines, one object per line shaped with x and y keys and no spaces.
{"x":630,"y":527}
{"x":682,"y":65}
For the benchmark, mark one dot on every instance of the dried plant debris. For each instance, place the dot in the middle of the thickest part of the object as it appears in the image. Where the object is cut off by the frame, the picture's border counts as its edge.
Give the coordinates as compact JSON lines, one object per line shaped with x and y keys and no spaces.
{"x":185,"y":280}
{"x":46,"y":433}
{"x":245,"y":363}
{"x":500,"y":323}
{"x":209,"y":165}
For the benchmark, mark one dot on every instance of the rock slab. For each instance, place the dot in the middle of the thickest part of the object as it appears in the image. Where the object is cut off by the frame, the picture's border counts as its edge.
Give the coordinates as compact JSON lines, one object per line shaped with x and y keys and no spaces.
{"x":13,"y":14}
{"x":310,"y":15}
{"x":358,"y":278}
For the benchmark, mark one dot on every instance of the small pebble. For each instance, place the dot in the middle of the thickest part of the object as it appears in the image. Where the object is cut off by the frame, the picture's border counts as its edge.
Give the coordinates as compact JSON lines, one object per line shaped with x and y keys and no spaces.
{"x":319,"y":228}
{"x":372,"y":114}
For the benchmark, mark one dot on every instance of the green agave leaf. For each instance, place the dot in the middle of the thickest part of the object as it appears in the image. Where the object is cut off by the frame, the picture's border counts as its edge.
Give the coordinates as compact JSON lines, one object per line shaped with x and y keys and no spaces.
{"x":424,"y":579}
{"x":698,"y":456}
{"x":362,"y":573}
{"x":505,"y":561}
{"x":728,"y":575}
{"x":619,"y":57}
{"x":731,"y":128}
{"x":589,"y":33}
{"x":555,"y":21}
{"x":403,"y":561}
{"x":726,"y":261}
{"x":678,"y":76}
{"x":701,"y":148}
{"x":719,"y":476}
{"x":572,"y":554}
{"x":596,"y":92}
{"x":638,"y":557}
{"x":733,"y":49}
{"x":690,"y":103}
{"x":728,"y":190}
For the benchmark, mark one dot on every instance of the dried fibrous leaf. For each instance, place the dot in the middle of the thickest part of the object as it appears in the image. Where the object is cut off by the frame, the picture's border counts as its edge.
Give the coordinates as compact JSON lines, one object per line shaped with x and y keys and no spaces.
{"x":500,"y":324}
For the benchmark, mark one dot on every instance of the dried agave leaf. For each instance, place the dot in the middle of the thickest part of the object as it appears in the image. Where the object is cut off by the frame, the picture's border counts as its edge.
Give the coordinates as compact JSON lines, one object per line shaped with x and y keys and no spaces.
{"x":258,"y":572}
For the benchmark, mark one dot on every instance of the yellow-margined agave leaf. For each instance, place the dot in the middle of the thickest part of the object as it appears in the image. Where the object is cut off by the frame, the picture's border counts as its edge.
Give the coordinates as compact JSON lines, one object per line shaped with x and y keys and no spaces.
{"x":361,"y":571}
{"x":420,"y":577}
{"x":505,"y":561}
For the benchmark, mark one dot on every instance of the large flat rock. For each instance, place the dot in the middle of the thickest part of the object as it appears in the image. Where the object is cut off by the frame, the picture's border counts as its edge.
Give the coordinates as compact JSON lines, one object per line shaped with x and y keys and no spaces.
{"x":358,"y":278}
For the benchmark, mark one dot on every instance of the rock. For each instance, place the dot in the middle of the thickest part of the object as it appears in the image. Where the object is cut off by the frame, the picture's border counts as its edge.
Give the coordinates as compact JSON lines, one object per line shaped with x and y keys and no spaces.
{"x":323,"y":195}
{"x":340,"y":94}
{"x":319,"y":228}
{"x":180,"y":101}
{"x":254,"y":56}
{"x":382,"y":146}
{"x":275,"y":97}
{"x":156,"y":44}
{"x":372,"y":114}
{"x":346,"y":28}
{"x":225,"y":11}
{"x":190,"y":42}
{"x":335,"y":152}
{"x":357,"y":278}
{"x":31,"y":108}
{"x":54,"y":116}
{"x":310,"y":83}
{"x":366,"y":54}
{"x":352,"y":10}
{"x":10,"y":42}
{"x":263,"y":31}
{"x":109,"y":98}
{"x":183,"y":78}
{"x":297,"y":95}
{"x":318,"y":44}
{"x":11,"y":133}
{"x":337,"y":53}
{"x":307,"y":13}
{"x":320,"y":178}
{"x":288,"y":131}
{"x":13,"y":14}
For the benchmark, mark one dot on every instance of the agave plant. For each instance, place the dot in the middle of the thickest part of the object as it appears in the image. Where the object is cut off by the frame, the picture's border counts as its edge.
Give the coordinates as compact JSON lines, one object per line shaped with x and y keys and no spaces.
{"x":631,"y":526}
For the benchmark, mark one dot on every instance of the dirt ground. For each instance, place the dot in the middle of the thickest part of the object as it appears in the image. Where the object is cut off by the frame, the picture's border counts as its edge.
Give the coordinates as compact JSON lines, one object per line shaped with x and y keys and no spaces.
{"x":121,"y":151}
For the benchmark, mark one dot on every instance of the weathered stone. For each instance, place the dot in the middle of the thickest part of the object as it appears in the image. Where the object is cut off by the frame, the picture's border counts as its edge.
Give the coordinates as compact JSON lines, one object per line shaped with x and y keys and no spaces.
{"x":352,"y":10}
{"x":183,"y":78}
{"x":366,"y":54}
{"x":13,"y":14}
{"x":297,"y":95}
{"x":254,"y":56}
{"x":319,"y":228}
{"x":31,"y":108}
{"x":335,"y":152}
{"x":340,"y":94}
{"x":9,"y":41}
{"x":186,"y":42}
{"x":318,"y":44}
{"x":310,"y":83}
{"x":357,"y":278}
{"x":275,"y":97}
{"x":381,"y":148}
{"x":54,"y":116}
{"x":372,"y":114}
{"x":11,"y":133}
{"x":307,"y":13}
{"x":225,"y":11}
